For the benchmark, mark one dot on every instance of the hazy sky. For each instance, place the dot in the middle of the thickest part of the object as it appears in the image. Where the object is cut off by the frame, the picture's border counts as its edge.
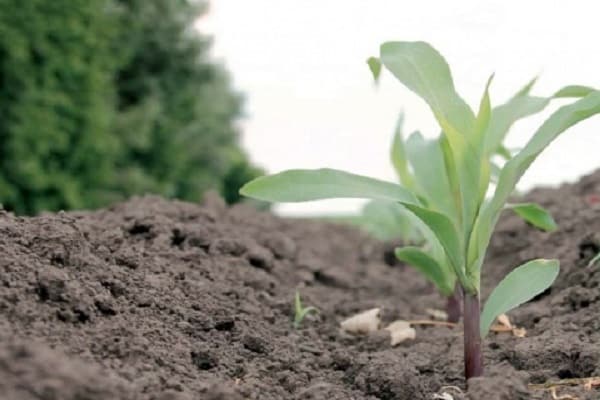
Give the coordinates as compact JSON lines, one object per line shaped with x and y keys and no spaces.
{"x":310,"y":101}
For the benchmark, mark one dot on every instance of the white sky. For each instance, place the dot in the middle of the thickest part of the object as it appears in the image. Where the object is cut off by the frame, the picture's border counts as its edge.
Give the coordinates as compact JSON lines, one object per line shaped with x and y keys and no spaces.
{"x":310,"y":101}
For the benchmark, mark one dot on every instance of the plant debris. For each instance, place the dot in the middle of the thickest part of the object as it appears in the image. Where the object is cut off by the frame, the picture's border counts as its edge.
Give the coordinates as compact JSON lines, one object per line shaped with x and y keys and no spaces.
{"x":364,"y":322}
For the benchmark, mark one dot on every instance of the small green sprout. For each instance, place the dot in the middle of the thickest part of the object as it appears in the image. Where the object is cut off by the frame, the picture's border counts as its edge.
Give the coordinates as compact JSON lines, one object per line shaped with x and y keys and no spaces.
{"x":300,"y":312}
{"x":594,"y":260}
{"x":467,"y":206}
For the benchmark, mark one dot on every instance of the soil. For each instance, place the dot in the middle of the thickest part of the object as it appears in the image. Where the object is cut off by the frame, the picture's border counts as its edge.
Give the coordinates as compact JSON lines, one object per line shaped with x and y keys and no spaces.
{"x":165,"y":300}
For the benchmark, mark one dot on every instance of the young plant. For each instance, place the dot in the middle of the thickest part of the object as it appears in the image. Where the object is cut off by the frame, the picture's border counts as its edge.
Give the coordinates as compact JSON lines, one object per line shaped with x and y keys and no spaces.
{"x":420,"y":167}
{"x":300,"y":311}
{"x":462,"y":220}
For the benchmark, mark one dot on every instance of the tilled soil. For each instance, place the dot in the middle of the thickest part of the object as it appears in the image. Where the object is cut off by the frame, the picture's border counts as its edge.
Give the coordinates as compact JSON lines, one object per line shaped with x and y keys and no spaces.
{"x":157,"y":299}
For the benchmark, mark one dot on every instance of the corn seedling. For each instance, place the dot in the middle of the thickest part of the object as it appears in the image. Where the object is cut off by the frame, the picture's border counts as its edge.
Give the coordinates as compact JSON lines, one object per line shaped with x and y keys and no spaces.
{"x":300,"y":312}
{"x":419,"y":164}
{"x":462,"y":219}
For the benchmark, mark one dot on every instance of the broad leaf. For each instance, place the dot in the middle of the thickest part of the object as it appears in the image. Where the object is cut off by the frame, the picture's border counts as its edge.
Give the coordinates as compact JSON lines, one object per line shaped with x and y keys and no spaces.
{"x":424,"y":71}
{"x":305,"y":185}
{"x":414,"y":256}
{"x":375,"y":67}
{"x":535,"y":215}
{"x":558,"y":122}
{"x":519,"y":286}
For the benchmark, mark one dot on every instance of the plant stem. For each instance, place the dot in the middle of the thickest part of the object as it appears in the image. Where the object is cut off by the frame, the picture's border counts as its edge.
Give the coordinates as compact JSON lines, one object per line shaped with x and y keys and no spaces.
{"x":473,"y":353}
{"x":453,"y":308}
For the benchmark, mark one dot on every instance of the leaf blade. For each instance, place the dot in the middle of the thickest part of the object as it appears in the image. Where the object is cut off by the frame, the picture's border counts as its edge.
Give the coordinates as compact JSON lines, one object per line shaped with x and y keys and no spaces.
{"x":428,"y":266}
{"x":306,"y":185}
{"x":519,"y":286}
{"x":535,"y":214}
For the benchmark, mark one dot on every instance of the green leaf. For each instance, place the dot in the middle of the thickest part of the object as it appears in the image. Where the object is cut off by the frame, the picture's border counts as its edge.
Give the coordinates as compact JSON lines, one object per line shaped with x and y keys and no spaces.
{"x":535,"y":215}
{"x":557,"y":123}
{"x":427,"y":162}
{"x":375,"y":66}
{"x":445,"y":232}
{"x":428,"y":266}
{"x":525,"y":90}
{"x":301,"y":312}
{"x":519,"y":286}
{"x":305,"y":185}
{"x":573,"y":91}
{"x":424,"y":71}
{"x":388,"y":221}
{"x":398,"y":156}
{"x":504,"y":116}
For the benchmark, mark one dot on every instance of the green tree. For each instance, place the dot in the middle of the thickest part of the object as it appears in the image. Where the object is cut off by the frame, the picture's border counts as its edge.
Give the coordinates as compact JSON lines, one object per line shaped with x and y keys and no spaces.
{"x":56,"y":148}
{"x":102,"y":99}
{"x":176,"y":110}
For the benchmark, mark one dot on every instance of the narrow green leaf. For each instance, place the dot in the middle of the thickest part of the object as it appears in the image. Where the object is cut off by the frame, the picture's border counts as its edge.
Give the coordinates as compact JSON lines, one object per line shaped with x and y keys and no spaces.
{"x":301,"y":312}
{"x":573,"y":91}
{"x":445,"y":232}
{"x":398,"y":156}
{"x":427,"y":162}
{"x":505,"y":115}
{"x":525,"y":90}
{"x":535,"y":215}
{"x":305,"y":185}
{"x":429,"y":267}
{"x":519,"y":286}
{"x":375,"y":66}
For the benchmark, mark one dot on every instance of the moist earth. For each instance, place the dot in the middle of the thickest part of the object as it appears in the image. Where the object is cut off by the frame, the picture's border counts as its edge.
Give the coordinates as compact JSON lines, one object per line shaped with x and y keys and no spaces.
{"x":166,"y":300}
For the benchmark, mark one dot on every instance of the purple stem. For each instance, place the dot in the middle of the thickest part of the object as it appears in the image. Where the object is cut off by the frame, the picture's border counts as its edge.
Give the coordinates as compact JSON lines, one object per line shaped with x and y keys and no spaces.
{"x":453,"y":305}
{"x":473,"y":353}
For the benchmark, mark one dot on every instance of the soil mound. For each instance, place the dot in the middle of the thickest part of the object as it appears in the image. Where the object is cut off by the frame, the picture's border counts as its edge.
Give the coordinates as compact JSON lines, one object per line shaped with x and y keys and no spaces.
{"x":165,"y":300}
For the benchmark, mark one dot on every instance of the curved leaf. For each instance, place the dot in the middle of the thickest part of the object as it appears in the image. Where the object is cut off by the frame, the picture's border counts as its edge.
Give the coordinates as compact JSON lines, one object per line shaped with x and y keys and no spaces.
{"x":519,"y":286}
{"x":445,"y":231}
{"x":424,"y":71}
{"x":299,"y":185}
{"x":535,"y":214}
{"x":429,"y":267}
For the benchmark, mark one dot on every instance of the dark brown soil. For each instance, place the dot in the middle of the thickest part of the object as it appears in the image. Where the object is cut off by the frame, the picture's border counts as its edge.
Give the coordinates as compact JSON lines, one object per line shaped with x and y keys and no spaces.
{"x":153,"y":299}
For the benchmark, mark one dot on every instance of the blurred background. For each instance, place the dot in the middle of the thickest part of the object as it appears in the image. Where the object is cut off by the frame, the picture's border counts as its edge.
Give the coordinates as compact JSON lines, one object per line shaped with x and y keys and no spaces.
{"x":103,"y":99}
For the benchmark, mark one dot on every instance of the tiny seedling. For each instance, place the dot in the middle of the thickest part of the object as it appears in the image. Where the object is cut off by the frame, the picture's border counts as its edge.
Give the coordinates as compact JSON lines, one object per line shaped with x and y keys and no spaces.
{"x":462,"y":220}
{"x":300,"y":311}
{"x":594,"y":260}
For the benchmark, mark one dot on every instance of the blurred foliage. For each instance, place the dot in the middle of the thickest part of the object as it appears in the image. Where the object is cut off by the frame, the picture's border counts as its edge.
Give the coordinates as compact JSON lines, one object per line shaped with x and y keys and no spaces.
{"x":102,"y":99}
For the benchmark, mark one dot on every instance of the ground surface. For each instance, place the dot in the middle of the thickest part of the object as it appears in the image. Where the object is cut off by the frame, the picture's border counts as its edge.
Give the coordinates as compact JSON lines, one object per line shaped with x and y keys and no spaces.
{"x":153,"y":299}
